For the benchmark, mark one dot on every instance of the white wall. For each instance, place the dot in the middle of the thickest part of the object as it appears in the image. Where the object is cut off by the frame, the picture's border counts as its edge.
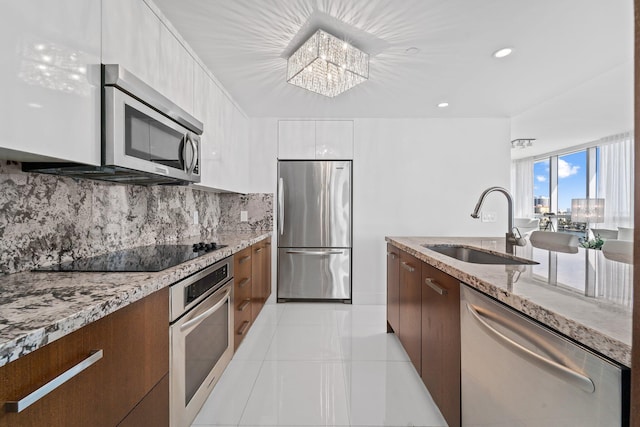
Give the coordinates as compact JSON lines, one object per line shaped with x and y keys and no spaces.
{"x":595,"y":109}
{"x":263,"y":169}
{"x":411,"y":177}
{"x":422,"y":177}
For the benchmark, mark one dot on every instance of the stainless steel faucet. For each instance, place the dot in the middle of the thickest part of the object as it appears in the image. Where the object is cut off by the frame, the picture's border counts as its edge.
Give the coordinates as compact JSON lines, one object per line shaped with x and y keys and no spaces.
{"x":513,"y":236}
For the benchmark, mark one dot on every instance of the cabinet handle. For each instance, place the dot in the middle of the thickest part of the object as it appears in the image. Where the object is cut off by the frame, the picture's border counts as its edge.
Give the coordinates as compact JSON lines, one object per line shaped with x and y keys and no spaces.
{"x":434,"y":285}
{"x":259,"y":250}
{"x":408,"y":267}
{"x":243,"y":328}
{"x":33,"y":397}
{"x":392,"y":254}
{"x":267,"y":244}
{"x":244,"y":259}
{"x":243,"y":282}
{"x":244,"y":305}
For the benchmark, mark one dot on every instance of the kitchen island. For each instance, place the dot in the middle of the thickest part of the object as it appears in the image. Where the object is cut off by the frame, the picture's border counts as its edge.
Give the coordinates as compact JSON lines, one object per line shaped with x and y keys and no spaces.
{"x":553,"y":292}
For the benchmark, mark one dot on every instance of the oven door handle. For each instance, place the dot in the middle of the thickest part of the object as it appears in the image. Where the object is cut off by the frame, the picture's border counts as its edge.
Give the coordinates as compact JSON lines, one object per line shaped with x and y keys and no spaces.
{"x":199,"y":318}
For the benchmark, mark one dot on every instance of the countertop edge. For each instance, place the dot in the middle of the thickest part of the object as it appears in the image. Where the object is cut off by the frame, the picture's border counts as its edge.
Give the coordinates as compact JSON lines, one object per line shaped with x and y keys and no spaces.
{"x":610,"y":347}
{"x":26,"y":343}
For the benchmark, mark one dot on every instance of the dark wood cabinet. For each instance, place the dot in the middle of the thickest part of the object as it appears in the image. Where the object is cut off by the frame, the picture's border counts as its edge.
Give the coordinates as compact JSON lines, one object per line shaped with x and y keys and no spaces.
{"x":242,"y":317}
{"x":261,"y":273}
{"x":135,"y":340}
{"x":266,"y":270}
{"x":423,"y":309}
{"x":441,"y":341}
{"x":63,"y":407}
{"x":410,"y":295}
{"x":153,"y":409}
{"x":135,"y":345}
{"x":252,"y":285}
{"x":257,"y":274}
{"x":393,"y":289}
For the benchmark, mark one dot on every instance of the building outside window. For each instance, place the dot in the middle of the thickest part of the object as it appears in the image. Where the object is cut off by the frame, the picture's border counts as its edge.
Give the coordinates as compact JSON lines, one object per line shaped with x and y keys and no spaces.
{"x":541,"y":201}
{"x":574,"y":176}
{"x":572,"y":184}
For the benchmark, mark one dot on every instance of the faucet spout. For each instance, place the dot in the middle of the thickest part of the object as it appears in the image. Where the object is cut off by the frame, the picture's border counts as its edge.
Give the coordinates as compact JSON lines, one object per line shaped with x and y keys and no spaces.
{"x":512,"y":238}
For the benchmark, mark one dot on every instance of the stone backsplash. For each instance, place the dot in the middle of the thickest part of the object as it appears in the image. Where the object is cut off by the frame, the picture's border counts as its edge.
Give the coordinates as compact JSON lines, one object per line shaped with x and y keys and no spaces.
{"x":47,"y":219}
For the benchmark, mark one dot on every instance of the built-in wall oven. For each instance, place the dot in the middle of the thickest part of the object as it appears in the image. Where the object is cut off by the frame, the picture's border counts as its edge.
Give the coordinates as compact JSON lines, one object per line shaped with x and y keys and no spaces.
{"x":201,"y":338}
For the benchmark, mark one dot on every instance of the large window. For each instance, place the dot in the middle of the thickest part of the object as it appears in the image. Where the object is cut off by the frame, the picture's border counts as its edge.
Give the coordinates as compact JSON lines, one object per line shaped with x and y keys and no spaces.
{"x":559,"y":179}
{"x":541,"y":177}
{"x":572,"y":183}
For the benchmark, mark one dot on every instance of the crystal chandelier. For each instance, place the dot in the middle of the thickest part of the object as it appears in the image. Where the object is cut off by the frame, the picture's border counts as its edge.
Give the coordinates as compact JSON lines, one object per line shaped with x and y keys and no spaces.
{"x":327,"y":65}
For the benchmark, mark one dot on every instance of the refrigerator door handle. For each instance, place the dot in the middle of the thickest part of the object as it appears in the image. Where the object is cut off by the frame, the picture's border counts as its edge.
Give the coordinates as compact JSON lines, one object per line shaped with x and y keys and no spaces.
{"x":281,"y":205}
{"x":316,"y":252}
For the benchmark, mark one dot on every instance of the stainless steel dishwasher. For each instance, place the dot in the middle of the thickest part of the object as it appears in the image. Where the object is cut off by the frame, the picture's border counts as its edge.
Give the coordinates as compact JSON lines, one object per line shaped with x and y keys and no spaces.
{"x":516,"y":372}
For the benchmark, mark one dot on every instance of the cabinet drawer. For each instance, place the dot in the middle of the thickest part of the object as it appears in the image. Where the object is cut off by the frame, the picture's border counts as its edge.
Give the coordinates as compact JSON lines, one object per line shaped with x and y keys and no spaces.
{"x":242,"y":288}
{"x":241,"y":320}
{"x":242,"y":307}
{"x":61,"y":407}
{"x":153,"y":410}
{"x":135,"y":347}
{"x":242,"y":265}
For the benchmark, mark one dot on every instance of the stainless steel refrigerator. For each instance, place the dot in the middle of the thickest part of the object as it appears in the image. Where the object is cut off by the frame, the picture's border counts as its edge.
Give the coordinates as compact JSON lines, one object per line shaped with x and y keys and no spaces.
{"x":314,"y":230}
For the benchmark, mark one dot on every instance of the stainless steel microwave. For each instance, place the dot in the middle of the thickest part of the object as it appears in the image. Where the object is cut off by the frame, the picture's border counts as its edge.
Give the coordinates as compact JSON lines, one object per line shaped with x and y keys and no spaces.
{"x":146,"y":138}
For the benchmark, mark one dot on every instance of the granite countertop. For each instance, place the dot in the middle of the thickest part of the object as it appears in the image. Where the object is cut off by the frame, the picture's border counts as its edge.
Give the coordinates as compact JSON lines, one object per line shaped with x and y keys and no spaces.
{"x":37,"y":308}
{"x":601,"y":321}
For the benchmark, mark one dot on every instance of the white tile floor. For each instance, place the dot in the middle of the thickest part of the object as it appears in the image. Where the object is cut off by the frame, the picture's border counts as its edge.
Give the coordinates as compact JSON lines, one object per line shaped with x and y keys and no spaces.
{"x":313,"y":364}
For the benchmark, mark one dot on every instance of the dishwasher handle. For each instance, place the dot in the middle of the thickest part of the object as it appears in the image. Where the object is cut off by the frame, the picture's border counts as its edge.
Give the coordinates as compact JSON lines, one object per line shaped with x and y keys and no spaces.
{"x":570,"y":376}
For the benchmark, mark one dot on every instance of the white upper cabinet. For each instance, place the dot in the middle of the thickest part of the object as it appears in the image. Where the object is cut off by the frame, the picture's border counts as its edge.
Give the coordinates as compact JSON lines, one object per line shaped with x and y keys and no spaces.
{"x":50,"y":81}
{"x":334,"y":139}
{"x":225,"y":141}
{"x":237,"y":176}
{"x":133,"y":36}
{"x":176,"y":71}
{"x":296,"y":139}
{"x":309,"y":139}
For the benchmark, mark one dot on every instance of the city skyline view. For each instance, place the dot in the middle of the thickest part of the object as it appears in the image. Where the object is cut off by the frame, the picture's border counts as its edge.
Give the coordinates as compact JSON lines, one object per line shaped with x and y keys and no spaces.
{"x":572,"y":179}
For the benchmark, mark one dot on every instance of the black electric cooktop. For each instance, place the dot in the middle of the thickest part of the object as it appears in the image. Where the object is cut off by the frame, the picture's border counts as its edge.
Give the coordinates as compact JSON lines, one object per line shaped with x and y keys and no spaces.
{"x":141,"y":258}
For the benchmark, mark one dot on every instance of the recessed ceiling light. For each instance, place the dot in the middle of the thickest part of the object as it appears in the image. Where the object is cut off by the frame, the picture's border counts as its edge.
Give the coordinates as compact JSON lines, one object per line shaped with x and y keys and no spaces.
{"x":506,"y":51}
{"x":412,"y":50}
{"x":443,"y":105}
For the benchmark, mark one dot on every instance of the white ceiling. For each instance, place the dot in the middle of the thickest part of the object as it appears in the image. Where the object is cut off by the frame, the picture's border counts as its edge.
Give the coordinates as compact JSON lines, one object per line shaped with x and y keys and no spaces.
{"x":559,"y":45}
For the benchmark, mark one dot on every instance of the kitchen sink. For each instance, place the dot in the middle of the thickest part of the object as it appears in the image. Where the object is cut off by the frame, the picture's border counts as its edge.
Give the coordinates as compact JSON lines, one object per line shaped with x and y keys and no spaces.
{"x":477,"y":256}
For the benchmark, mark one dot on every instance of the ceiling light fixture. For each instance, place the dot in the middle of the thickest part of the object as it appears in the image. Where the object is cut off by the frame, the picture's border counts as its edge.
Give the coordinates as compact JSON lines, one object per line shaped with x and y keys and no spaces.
{"x":443,"y":105}
{"x":502,"y":52}
{"x":522,"y":142}
{"x":326,"y":65}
